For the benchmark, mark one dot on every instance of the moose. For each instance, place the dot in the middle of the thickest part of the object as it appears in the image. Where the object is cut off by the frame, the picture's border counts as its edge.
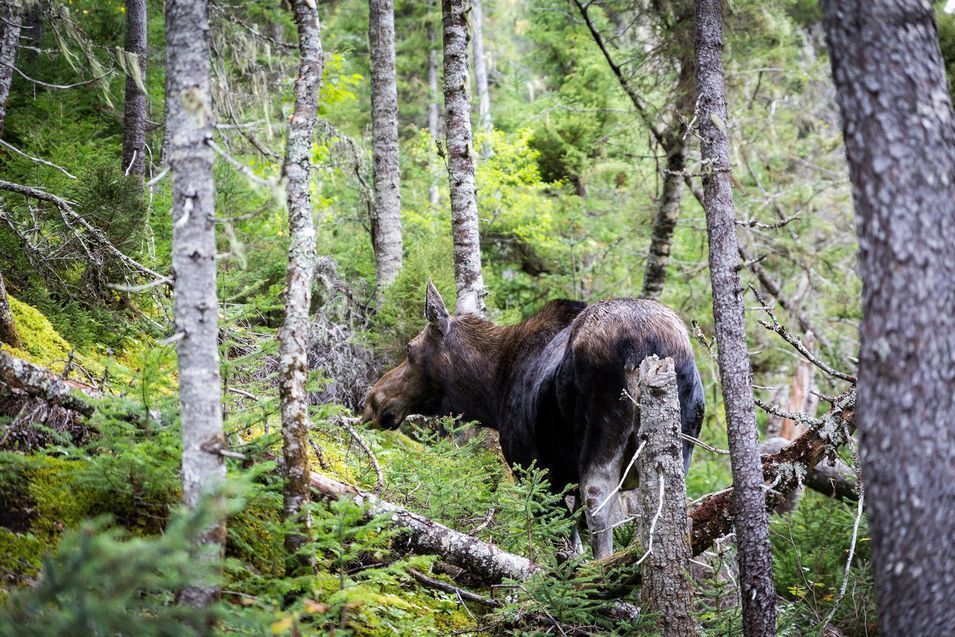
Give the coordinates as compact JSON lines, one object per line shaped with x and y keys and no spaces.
{"x":551,"y":385}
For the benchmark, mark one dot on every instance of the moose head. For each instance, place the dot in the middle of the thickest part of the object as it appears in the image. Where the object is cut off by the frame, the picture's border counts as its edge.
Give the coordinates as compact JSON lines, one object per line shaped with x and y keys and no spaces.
{"x":445,"y":364}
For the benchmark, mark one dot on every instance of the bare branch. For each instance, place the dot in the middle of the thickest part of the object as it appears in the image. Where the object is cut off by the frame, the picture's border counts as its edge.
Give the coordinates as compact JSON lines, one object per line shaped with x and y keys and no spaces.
{"x":775,"y":326}
{"x":37,"y":159}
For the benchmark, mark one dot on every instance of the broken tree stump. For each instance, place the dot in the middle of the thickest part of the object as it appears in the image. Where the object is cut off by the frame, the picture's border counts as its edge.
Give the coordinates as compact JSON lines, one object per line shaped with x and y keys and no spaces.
{"x":666,"y":586}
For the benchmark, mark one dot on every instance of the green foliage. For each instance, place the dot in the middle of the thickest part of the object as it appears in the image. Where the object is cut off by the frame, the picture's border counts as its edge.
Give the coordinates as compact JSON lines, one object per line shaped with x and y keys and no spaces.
{"x":566,"y":204}
{"x":532,"y":518}
{"x":103,"y":582}
{"x":810,"y":549}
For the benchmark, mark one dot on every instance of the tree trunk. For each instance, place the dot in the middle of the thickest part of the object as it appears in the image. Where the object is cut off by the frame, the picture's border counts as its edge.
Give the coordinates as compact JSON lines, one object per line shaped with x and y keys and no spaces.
{"x":134,"y":121}
{"x":293,"y":337}
{"x":900,"y":144}
{"x":189,"y":124}
{"x":433,"y":106}
{"x":8,"y":329}
{"x":665,"y":587}
{"x":11,"y":12}
{"x":484,"y":560}
{"x":752,"y":523}
{"x":37,"y":382}
{"x":457,"y":124}
{"x":673,"y":142}
{"x":480,"y":74}
{"x":664,"y":224}
{"x":386,"y":211}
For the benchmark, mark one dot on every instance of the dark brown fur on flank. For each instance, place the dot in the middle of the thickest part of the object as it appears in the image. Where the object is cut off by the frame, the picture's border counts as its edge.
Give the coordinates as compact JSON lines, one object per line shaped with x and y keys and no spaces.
{"x":551,"y":385}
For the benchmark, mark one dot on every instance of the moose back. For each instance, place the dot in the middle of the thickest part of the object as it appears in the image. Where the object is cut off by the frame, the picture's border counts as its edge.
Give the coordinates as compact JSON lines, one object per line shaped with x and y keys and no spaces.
{"x":551,"y":385}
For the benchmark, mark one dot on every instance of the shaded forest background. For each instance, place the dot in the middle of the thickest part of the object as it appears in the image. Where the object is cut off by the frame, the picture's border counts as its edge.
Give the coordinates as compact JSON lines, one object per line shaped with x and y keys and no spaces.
{"x":569,"y":181}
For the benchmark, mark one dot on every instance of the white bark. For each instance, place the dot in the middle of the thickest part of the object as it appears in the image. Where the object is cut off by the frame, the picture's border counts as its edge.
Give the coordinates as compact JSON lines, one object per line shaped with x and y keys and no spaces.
{"x":386,"y":211}
{"x":480,"y":70}
{"x":189,"y":126}
{"x":12,"y":13}
{"x":464,"y":210}
{"x":434,"y":98}
{"x":293,"y":337}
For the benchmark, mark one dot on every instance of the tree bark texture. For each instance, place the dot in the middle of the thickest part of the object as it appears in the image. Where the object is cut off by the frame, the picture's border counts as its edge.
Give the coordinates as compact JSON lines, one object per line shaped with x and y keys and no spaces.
{"x":37,"y":382}
{"x":134,"y":119}
{"x":485,"y":560}
{"x":8,"y":328}
{"x":189,"y":125}
{"x":897,"y":123}
{"x":386,"y":211}
{"x":293,"y":337}
{"x":480,"y":67}
{"x":665,"y":588}
{"x":751,"y":519}
{"x":457,"y":124}
{"x":12,"y":13}
{"x":674,"y":144}
{"x":434,"y":97}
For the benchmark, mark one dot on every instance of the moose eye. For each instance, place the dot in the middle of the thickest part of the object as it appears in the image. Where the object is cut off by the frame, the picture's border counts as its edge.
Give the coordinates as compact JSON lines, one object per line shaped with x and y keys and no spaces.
{"x":409,"y":352}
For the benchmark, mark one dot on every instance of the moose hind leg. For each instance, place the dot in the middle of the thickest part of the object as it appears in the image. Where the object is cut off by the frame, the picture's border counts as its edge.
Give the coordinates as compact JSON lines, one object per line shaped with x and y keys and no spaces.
{"x":598,"y":487}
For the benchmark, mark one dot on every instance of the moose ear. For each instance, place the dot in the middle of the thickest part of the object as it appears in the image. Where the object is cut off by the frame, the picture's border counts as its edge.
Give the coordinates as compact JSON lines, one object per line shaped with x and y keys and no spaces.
{"x":434,"y":309}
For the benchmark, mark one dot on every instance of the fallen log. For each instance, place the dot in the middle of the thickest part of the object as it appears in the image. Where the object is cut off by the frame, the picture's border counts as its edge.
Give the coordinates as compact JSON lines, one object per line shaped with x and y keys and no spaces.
{"x":711,"y":519}
{"x":835,"y":479}
{"x":424,"y":535}
{"x":783,"y":471}
{"x":35,"y":381}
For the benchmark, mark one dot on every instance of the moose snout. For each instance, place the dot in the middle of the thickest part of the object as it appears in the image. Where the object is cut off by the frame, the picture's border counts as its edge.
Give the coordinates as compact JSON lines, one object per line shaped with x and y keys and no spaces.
{"x":380,"y":413}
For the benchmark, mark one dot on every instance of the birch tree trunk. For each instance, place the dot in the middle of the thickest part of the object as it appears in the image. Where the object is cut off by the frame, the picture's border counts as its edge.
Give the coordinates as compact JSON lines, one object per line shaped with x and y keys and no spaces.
{"x":897,"y":122}
{"x":12,"y":13}
{"x":480,"y":73}
{"x":752,"y":524}
{"x":457,"y":124}
{"x":8,"y":329}
{"x":433,"y":106}
{"x":134,"y":120}
{"x":666,"y":587}
{"x":188,"y":126}
{"x":293,"y":337}
{"x":386,"y":211}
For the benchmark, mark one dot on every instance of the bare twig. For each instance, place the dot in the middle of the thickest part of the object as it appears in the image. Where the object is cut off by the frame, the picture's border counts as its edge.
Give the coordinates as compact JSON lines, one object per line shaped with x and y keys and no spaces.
{"x":653,"y":523}
{"x":379,"y":477}
{"x":64,"y":206}
{"x":37,"y":159}
{"x":449,"y":588}
{"x":775,"y":326}
{"x":700,"y":443}
{"x":60,"y":86}
{"x":242,"y":168}
{"x":852,"y":550}
{"x":782,"y":413}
